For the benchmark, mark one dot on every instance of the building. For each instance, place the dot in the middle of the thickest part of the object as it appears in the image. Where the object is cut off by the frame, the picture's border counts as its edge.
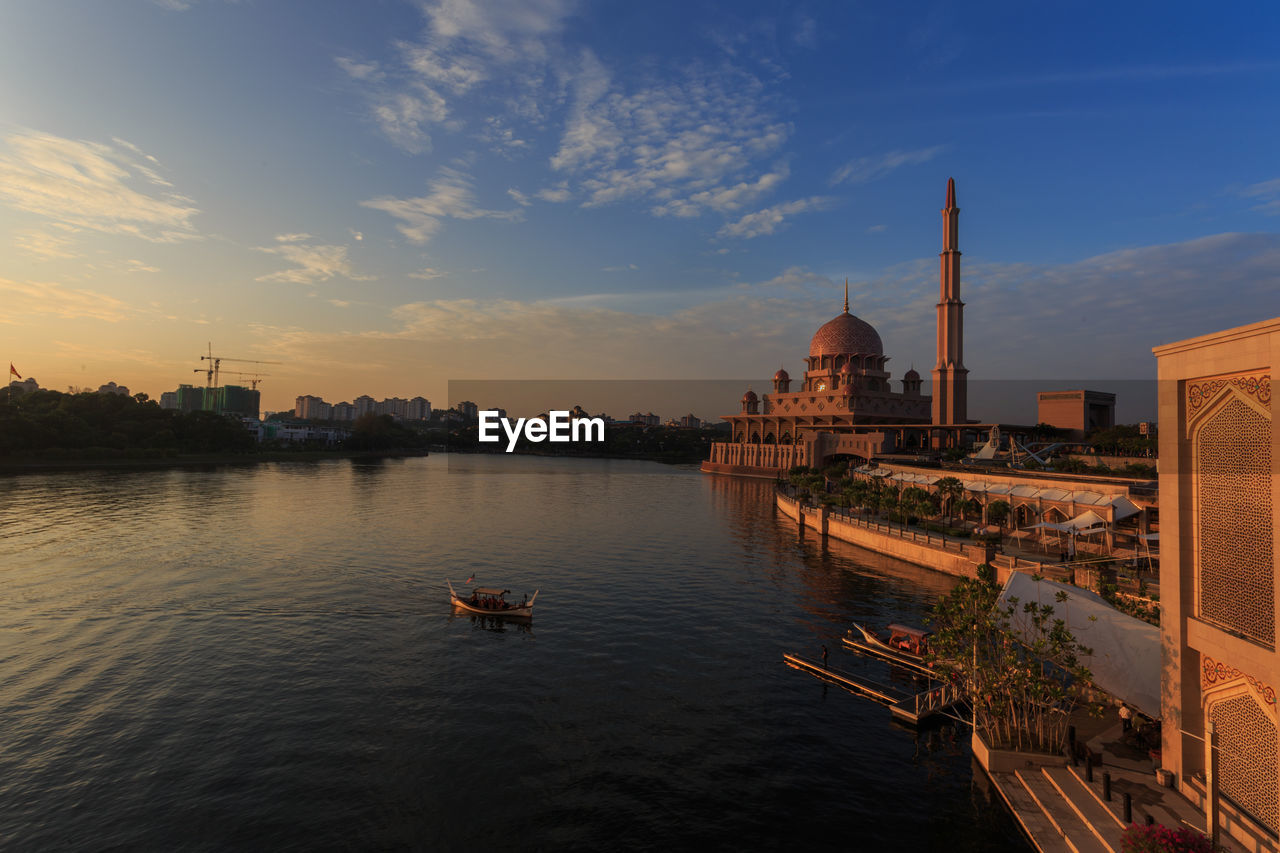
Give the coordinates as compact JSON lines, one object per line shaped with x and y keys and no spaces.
{"x":691,"y":421}
{"x":113,"y":388}
{"x":237,"y":400}
{"x":28,"y":384}
{"x":645,"y":420}
{"x":1080,"y":412}
{"x":469,"y":410}
{"x":846,"y":403}
{"x":307,"y":407}
{"x":1219,"y":497}
{"x":364,"y":405}
{"x":397,"y":407}
{"x":344,"y":412}
{"x":169,"y":399}
{"x":419,"y":409}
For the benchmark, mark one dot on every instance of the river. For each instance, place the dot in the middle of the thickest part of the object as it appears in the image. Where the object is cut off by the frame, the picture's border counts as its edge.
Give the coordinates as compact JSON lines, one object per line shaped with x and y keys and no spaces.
{"x":263,"y":657}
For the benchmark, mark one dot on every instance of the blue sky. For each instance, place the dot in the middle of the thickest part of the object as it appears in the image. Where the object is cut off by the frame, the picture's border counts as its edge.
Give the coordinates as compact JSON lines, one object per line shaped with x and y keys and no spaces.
{"x":387,"y":195}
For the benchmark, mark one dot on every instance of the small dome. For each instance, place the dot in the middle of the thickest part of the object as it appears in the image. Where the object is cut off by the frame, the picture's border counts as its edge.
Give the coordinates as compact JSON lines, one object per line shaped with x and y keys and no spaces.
{"x":781,"y":376}
{"x":911,"y":375}
{"x":750,"y":396}
{"x":846,"y":335}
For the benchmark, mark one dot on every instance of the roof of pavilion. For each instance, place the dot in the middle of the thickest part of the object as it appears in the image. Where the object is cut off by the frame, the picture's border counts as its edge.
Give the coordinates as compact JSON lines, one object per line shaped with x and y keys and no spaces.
{"x":1122,"y":505}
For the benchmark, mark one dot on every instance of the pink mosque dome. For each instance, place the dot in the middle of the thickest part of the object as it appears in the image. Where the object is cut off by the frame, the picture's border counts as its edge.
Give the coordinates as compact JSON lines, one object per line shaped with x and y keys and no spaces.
{"x":911,"y":375}
{"x":846,"y":335}
{"x":749,"y":397}
{"x":781,"y":376}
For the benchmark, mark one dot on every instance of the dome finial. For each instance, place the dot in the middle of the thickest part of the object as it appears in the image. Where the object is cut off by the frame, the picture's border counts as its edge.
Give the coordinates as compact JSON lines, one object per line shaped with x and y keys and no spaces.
{"x":846,"y":294}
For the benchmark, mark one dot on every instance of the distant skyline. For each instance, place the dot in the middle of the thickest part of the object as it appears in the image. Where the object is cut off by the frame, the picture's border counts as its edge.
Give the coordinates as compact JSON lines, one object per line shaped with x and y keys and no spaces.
{"x":389,"y":196}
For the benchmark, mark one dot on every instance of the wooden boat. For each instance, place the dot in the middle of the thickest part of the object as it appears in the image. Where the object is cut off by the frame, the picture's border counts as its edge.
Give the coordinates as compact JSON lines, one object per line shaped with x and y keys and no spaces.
{"x":491,"y":601}
{"x":904,"y":642}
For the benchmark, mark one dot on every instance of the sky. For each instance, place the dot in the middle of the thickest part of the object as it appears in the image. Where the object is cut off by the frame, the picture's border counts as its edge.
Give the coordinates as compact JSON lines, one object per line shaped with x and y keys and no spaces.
{"x":382,"y":197}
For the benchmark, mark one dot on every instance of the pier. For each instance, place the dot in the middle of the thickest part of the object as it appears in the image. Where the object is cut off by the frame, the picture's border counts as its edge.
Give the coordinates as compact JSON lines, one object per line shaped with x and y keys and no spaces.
{"x":911,"y":708}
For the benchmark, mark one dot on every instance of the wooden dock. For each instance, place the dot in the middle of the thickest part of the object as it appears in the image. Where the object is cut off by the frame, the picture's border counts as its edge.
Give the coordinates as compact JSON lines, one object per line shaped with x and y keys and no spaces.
{"x":908,"y":707}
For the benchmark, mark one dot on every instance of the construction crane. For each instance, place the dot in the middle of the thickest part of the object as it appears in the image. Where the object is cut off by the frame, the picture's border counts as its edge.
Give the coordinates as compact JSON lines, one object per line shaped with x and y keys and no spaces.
{"x":215,"y":363}
{"x":254,"y":378}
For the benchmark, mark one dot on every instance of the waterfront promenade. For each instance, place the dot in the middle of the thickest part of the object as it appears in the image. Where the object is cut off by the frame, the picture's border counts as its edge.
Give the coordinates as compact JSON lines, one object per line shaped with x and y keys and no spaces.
{"x":1074,"y":808}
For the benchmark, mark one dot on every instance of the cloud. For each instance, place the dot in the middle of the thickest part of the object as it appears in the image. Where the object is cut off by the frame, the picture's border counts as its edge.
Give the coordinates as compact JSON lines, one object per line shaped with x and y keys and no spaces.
{"x":768,"y":221}
{"x":557,"y":194}
{"x":25,"y":299}
{"x":689,"y":144}
{"x":493,"y":51}
{"x":311,"y":263}
{"x":451,"y":197}
{"x":865,"y":169}
{"x":428,"y":273}
{"x":43,"y":245}
{"x":519,"y":197}
{"x":624,"y":268}
{"x":1268,"y":195}
{"x":115,"y":189}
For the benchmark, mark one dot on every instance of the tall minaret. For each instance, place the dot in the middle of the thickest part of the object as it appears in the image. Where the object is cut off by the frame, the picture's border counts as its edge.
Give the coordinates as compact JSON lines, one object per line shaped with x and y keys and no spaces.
{"x":950,"y":385}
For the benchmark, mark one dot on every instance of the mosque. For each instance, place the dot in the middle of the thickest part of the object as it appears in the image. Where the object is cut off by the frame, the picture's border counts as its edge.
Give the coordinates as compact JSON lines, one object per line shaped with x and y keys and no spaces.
{"x":846,"y":405}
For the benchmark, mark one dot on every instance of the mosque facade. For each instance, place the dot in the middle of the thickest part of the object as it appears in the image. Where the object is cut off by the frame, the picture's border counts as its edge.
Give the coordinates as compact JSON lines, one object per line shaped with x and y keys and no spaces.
{"x":846,"y":402}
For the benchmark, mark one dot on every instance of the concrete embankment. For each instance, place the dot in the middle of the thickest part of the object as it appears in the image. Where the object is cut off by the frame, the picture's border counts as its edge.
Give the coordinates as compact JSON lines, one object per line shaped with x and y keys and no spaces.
{"x":932,"y":551}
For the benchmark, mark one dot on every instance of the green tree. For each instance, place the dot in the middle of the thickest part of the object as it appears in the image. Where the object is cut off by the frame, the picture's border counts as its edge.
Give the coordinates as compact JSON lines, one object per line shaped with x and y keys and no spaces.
{"x":998,"y":513}
{"x":1020,"y":667}
{"x":950,"y":490}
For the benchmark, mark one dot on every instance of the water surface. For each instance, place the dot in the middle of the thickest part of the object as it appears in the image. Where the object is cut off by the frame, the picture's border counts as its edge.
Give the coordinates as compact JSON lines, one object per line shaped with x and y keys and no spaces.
{"x":264,"y":657}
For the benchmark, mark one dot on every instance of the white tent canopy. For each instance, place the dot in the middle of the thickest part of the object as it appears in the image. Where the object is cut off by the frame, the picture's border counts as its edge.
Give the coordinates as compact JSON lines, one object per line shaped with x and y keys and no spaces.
{"x":1126,"y":651}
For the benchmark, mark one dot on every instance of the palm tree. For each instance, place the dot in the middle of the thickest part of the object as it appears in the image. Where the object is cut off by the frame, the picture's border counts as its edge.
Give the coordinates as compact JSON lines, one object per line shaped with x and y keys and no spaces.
{"x":951,"y":490}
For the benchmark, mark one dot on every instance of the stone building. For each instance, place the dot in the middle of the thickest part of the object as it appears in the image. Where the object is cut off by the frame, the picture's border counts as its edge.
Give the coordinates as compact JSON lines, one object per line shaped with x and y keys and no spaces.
{"x":1219,"y":496}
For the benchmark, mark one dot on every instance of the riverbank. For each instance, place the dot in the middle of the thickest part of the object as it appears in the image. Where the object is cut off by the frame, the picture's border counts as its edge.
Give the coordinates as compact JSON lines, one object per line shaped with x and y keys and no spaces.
{"x":194,"y":460}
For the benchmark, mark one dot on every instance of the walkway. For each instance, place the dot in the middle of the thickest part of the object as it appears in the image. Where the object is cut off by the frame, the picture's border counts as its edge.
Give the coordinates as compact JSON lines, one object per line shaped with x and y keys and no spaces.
{"x":1062,"y":811}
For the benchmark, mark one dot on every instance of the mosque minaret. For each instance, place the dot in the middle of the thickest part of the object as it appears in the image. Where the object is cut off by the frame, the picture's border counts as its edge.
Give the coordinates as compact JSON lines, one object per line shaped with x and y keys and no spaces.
{"x":949,"y":375}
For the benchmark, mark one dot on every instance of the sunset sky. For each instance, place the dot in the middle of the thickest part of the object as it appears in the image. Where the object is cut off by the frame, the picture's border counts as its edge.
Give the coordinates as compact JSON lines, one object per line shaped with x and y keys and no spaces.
{"x":388,"y":195}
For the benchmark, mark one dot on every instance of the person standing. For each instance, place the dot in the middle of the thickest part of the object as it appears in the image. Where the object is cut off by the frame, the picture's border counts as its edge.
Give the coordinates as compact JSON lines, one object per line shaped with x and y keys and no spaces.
{"x":824,"y":657}
{"x":1126,"y":718}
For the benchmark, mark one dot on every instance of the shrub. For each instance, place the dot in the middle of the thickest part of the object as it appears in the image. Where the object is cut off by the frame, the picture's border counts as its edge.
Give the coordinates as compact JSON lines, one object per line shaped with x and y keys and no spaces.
{"x":1162,"y":839}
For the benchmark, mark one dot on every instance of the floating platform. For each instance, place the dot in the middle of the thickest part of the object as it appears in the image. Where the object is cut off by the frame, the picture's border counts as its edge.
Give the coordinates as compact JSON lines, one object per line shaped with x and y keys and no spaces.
{"x":908,"y":707}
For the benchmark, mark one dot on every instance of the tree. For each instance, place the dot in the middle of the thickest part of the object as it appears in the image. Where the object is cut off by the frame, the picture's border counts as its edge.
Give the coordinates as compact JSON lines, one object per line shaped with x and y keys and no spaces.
{"x":998,"y":513}
{"x":1018,"y":664}
{"x":951,"y":490}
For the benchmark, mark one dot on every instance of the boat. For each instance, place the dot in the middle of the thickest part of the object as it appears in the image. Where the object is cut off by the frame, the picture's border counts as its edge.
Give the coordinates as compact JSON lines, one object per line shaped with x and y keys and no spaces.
{"x":903,"y":643}
{"x":491,"y":601}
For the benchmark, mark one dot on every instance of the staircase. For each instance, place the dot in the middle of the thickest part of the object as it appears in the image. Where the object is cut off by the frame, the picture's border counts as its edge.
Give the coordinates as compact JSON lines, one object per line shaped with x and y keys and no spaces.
{"x":1059,"y":811}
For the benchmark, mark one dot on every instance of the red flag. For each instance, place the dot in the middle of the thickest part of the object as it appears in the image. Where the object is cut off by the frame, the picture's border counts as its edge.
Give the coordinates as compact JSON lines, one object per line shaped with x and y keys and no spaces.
{"x":14,"y":370}
{"x":471,"y":579}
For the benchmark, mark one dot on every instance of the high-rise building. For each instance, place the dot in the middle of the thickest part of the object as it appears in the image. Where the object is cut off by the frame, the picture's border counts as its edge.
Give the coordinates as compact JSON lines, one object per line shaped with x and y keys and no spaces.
{"x":419,"y":409}
{"x":364,"y":405}
{"x":344,"y":412}
{"x":469,"y":410}
{"x":307,"y":407}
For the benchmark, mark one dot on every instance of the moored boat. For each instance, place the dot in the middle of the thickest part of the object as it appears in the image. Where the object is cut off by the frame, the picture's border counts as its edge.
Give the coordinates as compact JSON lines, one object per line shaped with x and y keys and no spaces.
{"x":491,"y":601}
{"x":904,"y":642}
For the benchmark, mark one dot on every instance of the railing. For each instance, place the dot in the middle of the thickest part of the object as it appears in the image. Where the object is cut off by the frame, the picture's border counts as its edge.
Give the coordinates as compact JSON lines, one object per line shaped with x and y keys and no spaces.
{"x":935,"y":699}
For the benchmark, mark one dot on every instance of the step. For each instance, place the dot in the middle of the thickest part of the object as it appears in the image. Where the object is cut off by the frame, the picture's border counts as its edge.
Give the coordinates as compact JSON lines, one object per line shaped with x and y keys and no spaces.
{"x":1035,"y":823}
{"x":1104,"y":825}
{"x":1078,"y":836}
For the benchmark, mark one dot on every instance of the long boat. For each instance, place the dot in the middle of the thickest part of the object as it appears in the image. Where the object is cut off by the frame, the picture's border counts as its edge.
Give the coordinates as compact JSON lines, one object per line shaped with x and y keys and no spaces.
{"x":904,"y":643}
{"x":491,"y":601}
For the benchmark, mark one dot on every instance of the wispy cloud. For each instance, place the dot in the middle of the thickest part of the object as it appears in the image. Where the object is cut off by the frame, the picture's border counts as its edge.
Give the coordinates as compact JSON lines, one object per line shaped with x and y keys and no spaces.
{"x":25,"y":299}
{"x":1268,"y":195}
{"x":428,"y":273}
{"x":451,"y":197}
{"x":115,"y":189}
{"x":770,"y":219}
{"x":310,"y":262}
{"x":43,"y":245}
{"x":492,"y":51}
{"x":689,"y":144}
{"x":865,"y":169}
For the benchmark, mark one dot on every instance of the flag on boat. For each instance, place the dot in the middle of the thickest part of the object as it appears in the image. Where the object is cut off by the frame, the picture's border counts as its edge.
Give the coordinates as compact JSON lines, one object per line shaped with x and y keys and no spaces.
{"x":13,"y":370}
{"x":471,"y":579}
